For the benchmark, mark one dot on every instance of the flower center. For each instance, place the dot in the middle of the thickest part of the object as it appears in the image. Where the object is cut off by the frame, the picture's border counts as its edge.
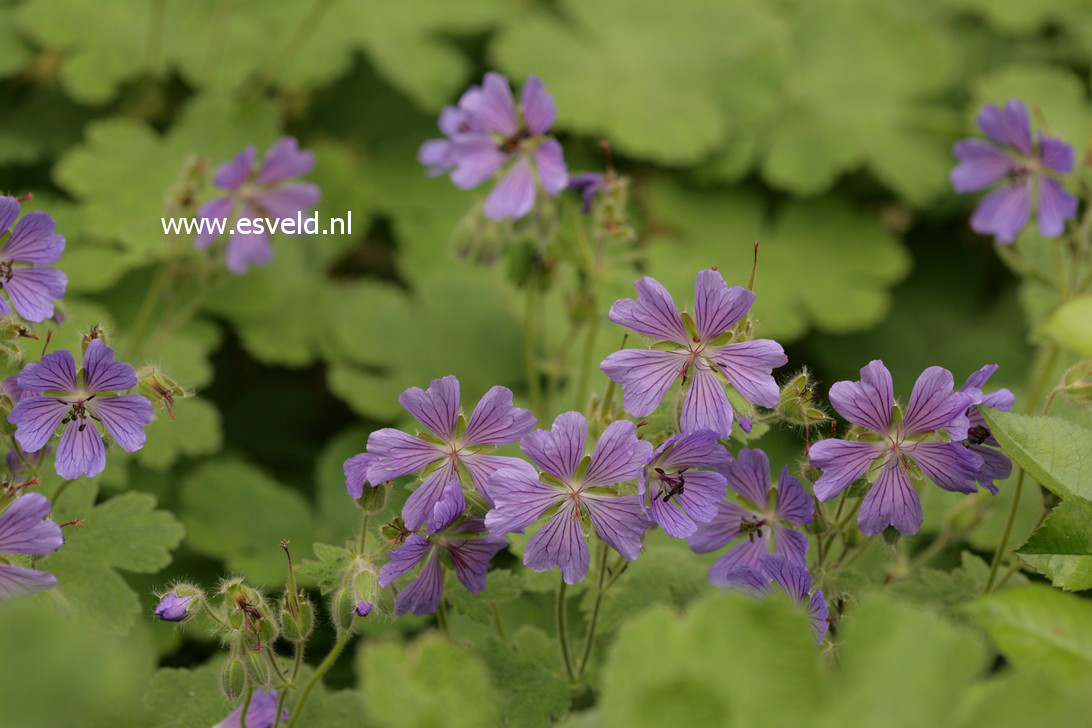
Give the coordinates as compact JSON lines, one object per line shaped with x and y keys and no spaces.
{"x":671,"y":485}
{"x":752,"y":528}
{"x":511,"y":144}
{"x":80,"y":413}
{"x":5,"y":271}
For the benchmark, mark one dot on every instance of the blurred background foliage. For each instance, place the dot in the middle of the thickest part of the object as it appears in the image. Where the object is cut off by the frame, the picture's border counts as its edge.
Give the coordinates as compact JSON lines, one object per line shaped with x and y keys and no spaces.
{"x":821,"y":128}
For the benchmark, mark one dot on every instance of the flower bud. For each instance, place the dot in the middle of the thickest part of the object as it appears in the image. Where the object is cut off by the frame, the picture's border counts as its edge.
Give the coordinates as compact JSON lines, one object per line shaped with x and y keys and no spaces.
{"x":160,"y":390}
{"x":795,"y":402}
{"x":95,"y":332}
{"x":363,"y":609}
{"x":233,"y":678}
{"x":373,"y":500}
{"x":258,"y":669}
{"x":297,"y":627}
{"x":179,"y":603}
{"x":343,"y":610}
{"x":1077,"y":382}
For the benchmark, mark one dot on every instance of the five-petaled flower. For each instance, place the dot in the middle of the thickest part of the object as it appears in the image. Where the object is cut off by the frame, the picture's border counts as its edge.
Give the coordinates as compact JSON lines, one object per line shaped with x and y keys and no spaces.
{"x":25,"y":276}
{"x":449,"y":447}
{"x":673,"y":492}
{"x":462,"y":542}
{"x":791,"y":578}
{"x":1025,"y":166}
{"x":25,"y":529}
{"x":894,"y":442}
{"x":577,"y":488}
{"x":486,"y":133}
{"x":703,"y":351}
{"x":760,"y":521}
{"x":995,"y":464}
{"x":257,"y":193}
{"x":76,"y":400}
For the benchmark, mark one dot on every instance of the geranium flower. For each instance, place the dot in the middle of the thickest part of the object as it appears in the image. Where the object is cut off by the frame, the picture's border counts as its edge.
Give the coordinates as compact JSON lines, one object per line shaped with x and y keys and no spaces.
{"x":1026,"y":168}
{"x":33,"y":245}
{"x":676,"y":495}
{"x":892,"y":447}
{"x":702,"y":351}
{"x":25,"y":529}
{"x":576,"y":489}
{"x":76,"y":401}
{"x":487,"y":134}
{"x":995,"y":464}
{"x":449,"y":446}
{"x":760,"y":521}
{"x":257,"y":193}
{"x":462,"y":543}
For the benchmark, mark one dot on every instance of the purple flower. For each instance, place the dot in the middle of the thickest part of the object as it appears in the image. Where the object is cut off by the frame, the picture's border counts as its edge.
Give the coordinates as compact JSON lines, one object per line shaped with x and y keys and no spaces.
{"x":588,"y":185}
{"x":76,"y":401}
{"x":257,"y":193}
{"x":759,"y":522}
{"x":24,"y":529}
{"x":31,"y":247}
{"x":469,"y":551}
{"x":674,"y":494}
{"x":995,"y":464}
{"x":702,"y":351}
{"x":486,"y":134}
{"x":578,"y":487}
{"x":791,"y":578}
{"x":892,"y":447}
{"x":173,"y":608}
{"x":363,"y":609}
{"x":1026,"y":168}
{"x":356,"y":474}
{"x":262,"y":712}
{"x":451,"y":445}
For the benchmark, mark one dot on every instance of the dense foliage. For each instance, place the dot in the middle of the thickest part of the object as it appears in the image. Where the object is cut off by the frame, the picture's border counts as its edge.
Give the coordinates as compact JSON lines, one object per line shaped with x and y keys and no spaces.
{"x":624,"y":401}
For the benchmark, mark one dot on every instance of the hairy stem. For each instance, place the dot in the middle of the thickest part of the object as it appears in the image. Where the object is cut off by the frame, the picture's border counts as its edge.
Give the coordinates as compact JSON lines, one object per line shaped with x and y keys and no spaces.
{"x":321,"y":670}
{"x":246,"y":704}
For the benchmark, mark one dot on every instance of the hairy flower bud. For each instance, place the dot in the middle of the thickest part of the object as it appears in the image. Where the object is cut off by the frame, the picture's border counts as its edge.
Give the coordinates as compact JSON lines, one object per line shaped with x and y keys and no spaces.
{"x":160,"y":390}
{"x":179,"y":603}
{"x":233,"y":677}
{"x":1077,"y":383}
{"x":297,"y":627}
{"x":795,"y":402}
{"x":258,"y":669}
{"x":95,"y":332}
{"x":343,"y":610}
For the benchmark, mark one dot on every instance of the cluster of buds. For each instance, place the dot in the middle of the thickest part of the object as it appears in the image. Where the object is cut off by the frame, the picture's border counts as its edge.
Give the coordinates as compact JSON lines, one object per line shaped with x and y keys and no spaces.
{"x":251,"y":630}
{"x":12,"y":333}
{"x":297,"y":613}
{"x":160,"y":389}
{"x":796,"y":405}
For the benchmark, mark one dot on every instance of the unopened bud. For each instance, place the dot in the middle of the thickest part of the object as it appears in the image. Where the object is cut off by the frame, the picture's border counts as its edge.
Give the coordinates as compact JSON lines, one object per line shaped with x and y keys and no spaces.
{"x":258,"y":669}
{"x":363,"y":609}
{"x":1077,"y":382}
{"x":233,"y":678}
{"x":343,"y":610}
{"x":95,"y":332}
{"x":160,"y":389}
{"x":296,"y":627}
{"x":179,"y":603}
{"x":373,"y":500}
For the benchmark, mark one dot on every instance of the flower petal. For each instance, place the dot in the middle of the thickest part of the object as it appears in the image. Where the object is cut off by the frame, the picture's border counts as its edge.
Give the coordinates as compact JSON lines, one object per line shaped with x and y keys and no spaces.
{"x":934,"y":404}
{"x":437,"y":409}
{"x":1004,"y":212}
{"x":1056,"y":154}
{"x":748,"y":552}
{"x":1056,"y":206}
{"x":447,"y":510}
{"x":618,"y":456}
{"x":519,"y":499}
{"x":125,"y":416}
{"x":793,"y":502}
{"x":287,"y":201}
{"x":558,"y":450}
{"x":25,"y":528}
{"x":514,"y":196}
{"x":645,"y":375}
{"x":952,"y":467}
{"x":789,"y":576}
{"x":80,"y":452}
{"x":55,"y":372}
{"x":214,"y":213}
{"x":995,"y":466}
{"x":842,"y":462}
{"x":482,"y":467}
{"x":356,"y":474}
{"x":422,"y":596}
{"x":560,"y":543}
{"x":721,"y":530}
{"x":539,"y":110}
{"x":818,"y":613}
{"x":438,"y":156}
{"x":36,"y":419}
{"x":16,"y":581}
{"x":749,"y":367}
{"x":477,"y":158}
{"x":790,"y":544}
{"x":717,"y":308}
{"x":284,"y":160}
{"x":1009,"y":125}
{"x":493,"y":106}
{"x":981,"y":164}
{"x":248,"y":248}
{"x":422,"y":503}
{"x":869,"y":402}
{"x":34,"y":240}
{"x":101,"y":373}
{"x":9,"y":212}
{"x":395,"y":454}
{"x":748,"y":474}
{"x":706,"y":406}
{"x":619,"y":520}
{"x":550,"y":163}
{"x":652,"y":314}
{"x":496,"y":422}
{"x":698,"y":449}
{"x":404,"y":558}
{"x":471,"y":556}
{"x":231,"y":175}
{"x":33,"y":291}
{"x":892,"y":501}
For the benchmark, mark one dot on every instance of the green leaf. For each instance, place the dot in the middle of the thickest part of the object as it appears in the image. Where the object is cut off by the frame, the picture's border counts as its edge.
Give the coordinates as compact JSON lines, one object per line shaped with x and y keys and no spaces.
{"x":1056,"y":453}
{"x":14,"y":50}
{"x":502,"y":586}
{"x":534,"y":693}
{"x":194,"y":431}
{"x":1018,"y":700}
{"x":1071,"y":325}
{"x":178,"y":698}
{"x":821,"y":264}
{"x":425,"y":683}
{"x":237,"y":513}
{"x":125,"y":532}
{"x":949,"y":589}
{"x":1062,"y":548}
{"x":1040,"y":629}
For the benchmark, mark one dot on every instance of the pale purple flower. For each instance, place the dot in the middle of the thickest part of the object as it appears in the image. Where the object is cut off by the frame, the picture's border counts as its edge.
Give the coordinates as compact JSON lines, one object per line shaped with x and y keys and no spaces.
{"x":1027,"y":168}
{"x":25,"y":529}
{"x":578,"y":489}
{"x":450,"y":442}
{"x":75,"y":401}
{"x":466,"y":545}
{"x":174,"y":608}
{"x":791,"y":578}
{"x":356,"y":474}
{"x":673,"y":492}
{"x":995,"y":464}
{"x":759,"y":521}
{"x":702,"y":351}
{"x":262,"y":712}
{"x":589,"y":185}
{"x":363,"y":609}
{"x":922,"y":439}
{"x":33,"y":245}
{"x":487,"y":134}
{"x":258,"y":193}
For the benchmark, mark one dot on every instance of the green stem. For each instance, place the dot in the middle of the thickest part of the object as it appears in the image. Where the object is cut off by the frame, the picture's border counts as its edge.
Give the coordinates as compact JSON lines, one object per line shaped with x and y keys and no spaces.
{"x":288,"y":52}
{"x":1000,"y":553}
{"x":60,"y":489}
{"x":362,"y":540}
{"x":441,"y":617}
{"x":563,"y":630}
{"x":322,"y":669}
{"x":280,"y":707}
{"x":926,"y":554}
{"x":530,"y":347}
{"x":498,"y":622}
{"x":246,"y":704}
{"x":601,"y":589}
{"x":276,"y":668}
{"x":139,"y":327}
